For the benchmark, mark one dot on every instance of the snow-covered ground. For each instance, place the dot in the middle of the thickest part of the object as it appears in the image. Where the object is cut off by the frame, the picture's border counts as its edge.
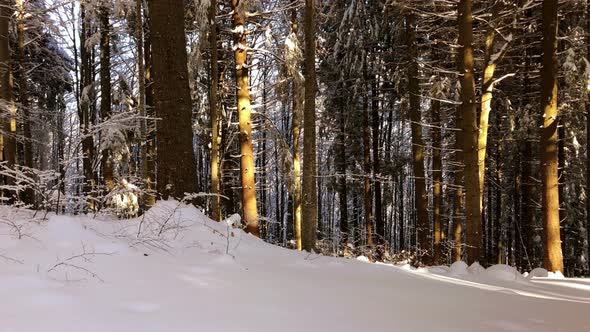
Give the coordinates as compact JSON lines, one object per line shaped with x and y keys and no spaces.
{"x":183,"y":272}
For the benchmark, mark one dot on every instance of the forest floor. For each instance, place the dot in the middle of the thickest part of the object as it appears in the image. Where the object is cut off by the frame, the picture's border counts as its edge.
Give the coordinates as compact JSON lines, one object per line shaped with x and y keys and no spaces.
{"x":181,"y":271}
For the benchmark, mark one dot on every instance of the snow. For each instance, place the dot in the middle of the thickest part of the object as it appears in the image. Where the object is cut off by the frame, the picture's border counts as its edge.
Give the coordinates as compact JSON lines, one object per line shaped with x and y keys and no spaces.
{"x":183,"y":272}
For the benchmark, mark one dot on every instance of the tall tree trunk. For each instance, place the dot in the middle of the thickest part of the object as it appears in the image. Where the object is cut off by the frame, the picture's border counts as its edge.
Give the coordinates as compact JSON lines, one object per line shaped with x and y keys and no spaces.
{"x":250,"y":211}
{"x":421,"y":198}
{"x":215,"y":116}
{"x":87,"y":96}
{"x":150,"y":113}
{"x":486,"y":102}
{"x":296,"y":126}
{"x":6,"y":89}
{"x":379,"y":224}
{"x":588,"y":136}
{"x":28,"y":195}
{"x":105,"y":93}
{"x":437,"y":180}
{"x":146,"y":199}
{"x":470,"y":132}
{"x":549,"y":164}
{"x":341,"y":167}
{"x":176,"y":171}
{"x":309,"y":221}
{"x":367,"y":194}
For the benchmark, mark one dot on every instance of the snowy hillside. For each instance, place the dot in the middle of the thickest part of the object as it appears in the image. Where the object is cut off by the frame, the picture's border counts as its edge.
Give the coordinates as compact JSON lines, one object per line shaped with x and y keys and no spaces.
{"x":183,"y":272}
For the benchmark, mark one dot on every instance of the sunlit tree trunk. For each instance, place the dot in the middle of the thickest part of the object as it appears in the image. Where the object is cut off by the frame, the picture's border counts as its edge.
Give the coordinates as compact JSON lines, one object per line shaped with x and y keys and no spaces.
{"x":309,"y":219}
{"x":421,"y":198}
{"x":215,"y":116}
{"x":6,"y":89}
{"x":549,"y":164}
{"x":250,"y":212}
{"x":176,"y":170}
{"x":296,"y":128}
{"x":470,"y":132}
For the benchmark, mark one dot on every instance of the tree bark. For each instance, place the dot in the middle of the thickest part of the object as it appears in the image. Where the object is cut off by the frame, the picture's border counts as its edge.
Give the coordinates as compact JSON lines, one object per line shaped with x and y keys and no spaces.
{"x":28,"y":195}
{"x":437,"y":180}
{"x":309,"y":221}
{"x":470,"y":132}
{"x":296,"y":126}
{"x":6,"y":90}
{"x":147,"y":199}
{"x":367,"y":194}
{"x":250,"y":211}
{"x":215,"y":116}
{"x":105,"y":93}
{"x":553,"y":256}
{"x":176,"y":171}
{"x":588,"y":134}
{"x":87,"y":96}
{"x":341,"y":169}
{"x":379,"y":224}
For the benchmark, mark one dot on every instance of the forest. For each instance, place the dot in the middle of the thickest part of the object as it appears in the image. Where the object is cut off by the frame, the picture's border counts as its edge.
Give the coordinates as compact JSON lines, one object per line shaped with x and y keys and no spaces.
{"x":428,"y":132}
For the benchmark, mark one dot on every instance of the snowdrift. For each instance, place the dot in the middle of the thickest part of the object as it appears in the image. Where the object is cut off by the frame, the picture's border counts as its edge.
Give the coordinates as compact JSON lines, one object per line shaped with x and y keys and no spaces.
{"x":175,"y":270}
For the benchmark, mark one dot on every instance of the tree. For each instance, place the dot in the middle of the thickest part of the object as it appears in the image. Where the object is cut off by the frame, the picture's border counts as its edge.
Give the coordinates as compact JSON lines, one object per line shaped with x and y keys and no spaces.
{"x":293,"y":58}
{"x":250,"y":210}
{"x":6,"y":88}
{"x":469,"y":131}
{"x":553,"y":256}
{"x":105,"y":94}
{"x":176,"y":170}
{"x":86,"y":113}
{"x":215,"y":116}
{"x":28,"y":195}
{"x":309,"y":220}
{"x":421,"y":198}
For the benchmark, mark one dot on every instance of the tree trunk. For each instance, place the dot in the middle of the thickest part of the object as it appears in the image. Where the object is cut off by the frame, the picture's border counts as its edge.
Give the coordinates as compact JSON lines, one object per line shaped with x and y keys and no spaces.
{"x":470,"y":132}
{"x":379,"y":224}
{"x":341,"y":167}
{"x":6,"y":89}
{"x":215,"y":116}
{"x":421,"y":198}
{"x":105,"y":93}
{"x":309,"y":221}
{"x":588,"y":136}
{"x":437,"y":180}
{"x":147,"y":198}
{"x":150,"y":112}
{"x":176,"y":171}
{"x":486,"y":103}
{"x":549,"y":164}
{"x":85,"y":110}
{"x":250,"y":211}
{"x":28,"y":195}
{"x":296,"y":125}
{"x":367,"y":194}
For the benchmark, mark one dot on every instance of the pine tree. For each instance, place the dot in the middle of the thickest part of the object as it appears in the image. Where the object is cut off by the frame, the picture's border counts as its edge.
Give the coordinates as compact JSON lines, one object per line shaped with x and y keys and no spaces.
{"x":469,"y":131}
{"x":250,"y":210}
{"x":309,"y":219}
{"x":176,"y":170}
{"x":549,"y":137}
